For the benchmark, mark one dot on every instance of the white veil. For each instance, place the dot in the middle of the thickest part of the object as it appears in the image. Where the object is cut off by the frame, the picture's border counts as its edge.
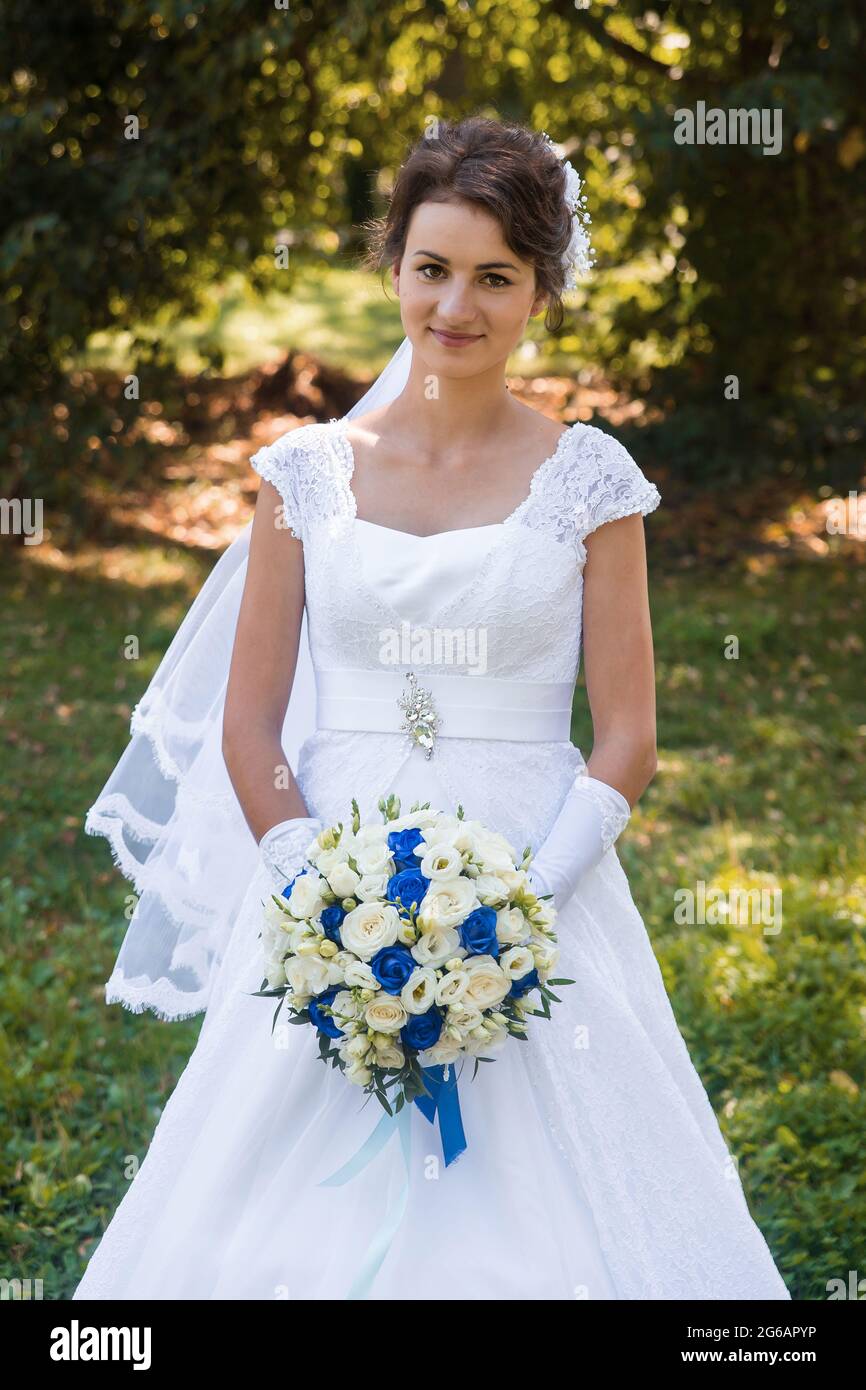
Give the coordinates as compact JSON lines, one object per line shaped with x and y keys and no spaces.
{"x":169,"y":810}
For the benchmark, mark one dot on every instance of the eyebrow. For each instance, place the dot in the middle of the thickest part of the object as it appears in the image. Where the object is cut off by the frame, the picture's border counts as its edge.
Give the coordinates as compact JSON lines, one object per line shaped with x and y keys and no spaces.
{"x":486,"y":265}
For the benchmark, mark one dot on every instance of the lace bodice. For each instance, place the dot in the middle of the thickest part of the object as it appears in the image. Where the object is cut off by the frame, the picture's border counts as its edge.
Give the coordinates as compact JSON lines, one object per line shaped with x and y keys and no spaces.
{"x":527,"y":591}
{"x":518,"y":582}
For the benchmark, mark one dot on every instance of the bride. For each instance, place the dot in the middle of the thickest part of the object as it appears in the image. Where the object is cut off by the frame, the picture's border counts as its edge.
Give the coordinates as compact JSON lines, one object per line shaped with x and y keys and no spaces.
{"x":440,"y":528}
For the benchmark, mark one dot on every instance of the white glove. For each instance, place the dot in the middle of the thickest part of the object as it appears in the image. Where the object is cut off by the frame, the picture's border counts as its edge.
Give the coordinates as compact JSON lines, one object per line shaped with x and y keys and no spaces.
{"x":592,"y":816}
{"x":283,"y":848}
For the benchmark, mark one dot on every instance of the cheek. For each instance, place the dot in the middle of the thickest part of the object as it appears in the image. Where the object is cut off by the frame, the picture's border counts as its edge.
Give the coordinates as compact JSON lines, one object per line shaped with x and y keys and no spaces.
{"x":418,"y":293}
{"x":512,"y":311}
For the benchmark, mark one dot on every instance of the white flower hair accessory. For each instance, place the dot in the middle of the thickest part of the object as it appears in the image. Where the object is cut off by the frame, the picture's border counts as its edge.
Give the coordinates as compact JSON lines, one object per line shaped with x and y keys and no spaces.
{"x":579,"y":256}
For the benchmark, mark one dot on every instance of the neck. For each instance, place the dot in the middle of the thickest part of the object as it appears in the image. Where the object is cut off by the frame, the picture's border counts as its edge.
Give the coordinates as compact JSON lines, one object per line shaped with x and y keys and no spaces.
{"x":444,"y":412}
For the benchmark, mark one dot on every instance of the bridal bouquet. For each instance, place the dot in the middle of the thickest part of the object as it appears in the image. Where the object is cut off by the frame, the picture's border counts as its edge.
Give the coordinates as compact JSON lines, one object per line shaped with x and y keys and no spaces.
{"x":410,"y":944}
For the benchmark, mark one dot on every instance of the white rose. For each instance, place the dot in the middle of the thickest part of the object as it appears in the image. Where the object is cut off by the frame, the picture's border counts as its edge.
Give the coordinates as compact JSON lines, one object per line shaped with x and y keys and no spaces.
{"x":488,"y":985}
{"x":359,"y":1076}
{"x":305,"y":899}
{"x":447,"y":904}
{"x":328,"y":859}
{"x":356,"y":1049}
{"x":517,"y":962}
{"x":491,"y":890}
{"x":307,"y":974}
{"x":512,"y":928}
{"x":391,"y":1055}
{"x":494,"y":1037}
{"x":372,"y":887}
{"x":369,"y":927}
{"x":441,"y":863}
{"x":419,"y":992}
{"x":463,"y":1019}
{"x":375,"y":858}
{"x":435,"y":947}
{"x":443,"y":1051}
{"x":343,"y":880}
{"x":444,"y":830}
{"x":452,"y":987}
{"x":371,"y":834}
{"x":359,"y":974}
{"x":385,"y":1013}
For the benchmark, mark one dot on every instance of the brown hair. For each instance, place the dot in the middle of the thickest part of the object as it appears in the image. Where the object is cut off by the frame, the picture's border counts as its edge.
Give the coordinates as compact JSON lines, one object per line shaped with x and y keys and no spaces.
{"x":505,"y":168}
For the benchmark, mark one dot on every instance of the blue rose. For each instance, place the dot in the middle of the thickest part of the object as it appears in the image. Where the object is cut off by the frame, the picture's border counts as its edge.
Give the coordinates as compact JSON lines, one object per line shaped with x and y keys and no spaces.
{"x":324,"y":1022}
{"x":524,"y":984}
{"x":478,"y":932}
{"x":402,"y":844}
{"x":332,"y":918}
{"x":410,"y":887}
{"x":392,"y":967}
{"x":422,"y":1030}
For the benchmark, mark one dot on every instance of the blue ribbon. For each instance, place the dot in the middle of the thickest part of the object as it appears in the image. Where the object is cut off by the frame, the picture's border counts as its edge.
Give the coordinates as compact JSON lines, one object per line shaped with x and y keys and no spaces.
{"x":381,"y":1242}
{"x":443,"y":1101}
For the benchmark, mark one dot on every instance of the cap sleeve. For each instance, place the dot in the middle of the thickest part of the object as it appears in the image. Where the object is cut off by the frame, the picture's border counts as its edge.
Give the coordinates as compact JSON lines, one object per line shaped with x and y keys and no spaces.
{"x":614,"y":485}
{"x":277,"y":463}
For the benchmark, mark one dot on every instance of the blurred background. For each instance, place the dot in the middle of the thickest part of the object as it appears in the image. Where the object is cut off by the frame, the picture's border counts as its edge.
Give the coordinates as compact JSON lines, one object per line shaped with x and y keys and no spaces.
{"x":182,"y":193}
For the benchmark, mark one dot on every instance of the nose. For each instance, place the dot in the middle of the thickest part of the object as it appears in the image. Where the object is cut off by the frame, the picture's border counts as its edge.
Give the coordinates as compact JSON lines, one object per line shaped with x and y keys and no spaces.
{"x":457,"y":305}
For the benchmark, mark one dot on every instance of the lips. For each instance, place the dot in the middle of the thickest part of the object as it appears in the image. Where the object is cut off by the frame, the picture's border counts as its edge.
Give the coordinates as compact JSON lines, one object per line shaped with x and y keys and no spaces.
{"x":455,"y":339}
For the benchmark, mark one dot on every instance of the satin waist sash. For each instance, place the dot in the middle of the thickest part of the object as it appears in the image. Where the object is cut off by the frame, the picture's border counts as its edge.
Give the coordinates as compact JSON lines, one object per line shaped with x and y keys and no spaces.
{"x":487,"y":707}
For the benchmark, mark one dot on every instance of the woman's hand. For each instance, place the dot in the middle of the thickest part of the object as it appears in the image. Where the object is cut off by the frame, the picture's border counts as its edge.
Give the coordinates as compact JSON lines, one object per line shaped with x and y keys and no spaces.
{"x":592,"y":816}
{"x":283,"y":848}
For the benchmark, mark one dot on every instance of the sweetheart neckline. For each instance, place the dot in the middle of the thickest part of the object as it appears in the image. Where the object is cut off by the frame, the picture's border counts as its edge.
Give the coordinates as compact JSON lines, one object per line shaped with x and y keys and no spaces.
{"x":433,"y":535}
{"x":341,"y":448}
{"x":339,"y":427}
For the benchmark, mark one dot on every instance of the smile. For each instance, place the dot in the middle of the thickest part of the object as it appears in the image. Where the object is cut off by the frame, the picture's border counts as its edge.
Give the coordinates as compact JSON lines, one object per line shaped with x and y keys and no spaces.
{"x":455,"y":339}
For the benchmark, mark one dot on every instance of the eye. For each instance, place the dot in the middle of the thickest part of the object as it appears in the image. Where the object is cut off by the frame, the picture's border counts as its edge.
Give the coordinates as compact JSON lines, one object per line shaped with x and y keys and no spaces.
{"x":490,"y":276}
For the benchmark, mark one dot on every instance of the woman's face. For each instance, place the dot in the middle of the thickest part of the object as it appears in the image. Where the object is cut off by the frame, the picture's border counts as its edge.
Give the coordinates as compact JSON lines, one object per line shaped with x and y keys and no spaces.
{"x":459,"y":277}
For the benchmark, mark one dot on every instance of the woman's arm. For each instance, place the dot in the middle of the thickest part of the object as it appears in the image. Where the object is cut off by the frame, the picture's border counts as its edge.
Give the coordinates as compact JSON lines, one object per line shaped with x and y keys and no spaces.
{"x":621,"y":687}
{"x":262,"y":669}
{"x":618,"y":657}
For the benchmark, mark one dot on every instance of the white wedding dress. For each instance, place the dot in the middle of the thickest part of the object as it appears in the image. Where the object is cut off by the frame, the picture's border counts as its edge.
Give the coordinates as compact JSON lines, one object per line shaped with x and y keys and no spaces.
{"x":595,"y":1167}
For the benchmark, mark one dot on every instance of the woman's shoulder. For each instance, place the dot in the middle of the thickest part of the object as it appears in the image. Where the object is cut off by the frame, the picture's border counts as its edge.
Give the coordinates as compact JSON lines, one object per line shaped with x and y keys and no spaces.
{"x":296,"y":464}
{"x":616,"y":485}
{"x":294,"y":444}
{"x":606,"y":481}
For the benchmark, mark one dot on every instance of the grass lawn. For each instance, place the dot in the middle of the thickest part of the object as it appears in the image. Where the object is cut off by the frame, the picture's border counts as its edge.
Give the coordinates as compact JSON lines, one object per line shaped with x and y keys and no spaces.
{"x":761,"y":785}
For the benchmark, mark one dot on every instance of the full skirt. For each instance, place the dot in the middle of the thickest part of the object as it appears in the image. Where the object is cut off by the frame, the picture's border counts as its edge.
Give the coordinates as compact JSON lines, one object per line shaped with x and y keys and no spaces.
{"x":594,"y":1168}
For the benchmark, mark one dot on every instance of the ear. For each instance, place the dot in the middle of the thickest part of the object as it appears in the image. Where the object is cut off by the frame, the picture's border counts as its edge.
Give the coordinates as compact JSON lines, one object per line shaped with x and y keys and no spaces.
{"x":541,"y":301}
{"x":395,"y":275}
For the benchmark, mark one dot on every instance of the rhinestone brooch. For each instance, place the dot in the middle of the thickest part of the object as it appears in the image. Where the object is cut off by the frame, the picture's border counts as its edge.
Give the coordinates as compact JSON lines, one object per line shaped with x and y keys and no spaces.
{"x":421,"y":721}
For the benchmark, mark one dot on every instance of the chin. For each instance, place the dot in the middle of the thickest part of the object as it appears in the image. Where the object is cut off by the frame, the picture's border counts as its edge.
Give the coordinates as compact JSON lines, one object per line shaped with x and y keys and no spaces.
{"x":445,"y":361}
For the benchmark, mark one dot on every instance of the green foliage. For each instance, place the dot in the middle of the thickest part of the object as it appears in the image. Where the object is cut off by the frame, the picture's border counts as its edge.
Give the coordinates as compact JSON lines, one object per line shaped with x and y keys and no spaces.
{"x":261,"y":126}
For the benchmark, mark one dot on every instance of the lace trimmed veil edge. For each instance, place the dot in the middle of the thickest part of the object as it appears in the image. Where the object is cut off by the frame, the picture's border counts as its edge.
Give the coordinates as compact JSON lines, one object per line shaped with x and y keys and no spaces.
{"x":168,"y":808}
